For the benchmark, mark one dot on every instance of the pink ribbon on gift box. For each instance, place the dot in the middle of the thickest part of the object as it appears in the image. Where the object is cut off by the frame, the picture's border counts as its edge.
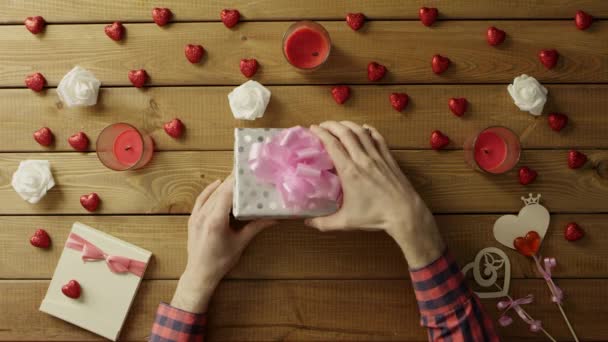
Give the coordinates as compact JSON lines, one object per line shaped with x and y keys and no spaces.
{"x":296,"y":163}
{"x":116,"y":264}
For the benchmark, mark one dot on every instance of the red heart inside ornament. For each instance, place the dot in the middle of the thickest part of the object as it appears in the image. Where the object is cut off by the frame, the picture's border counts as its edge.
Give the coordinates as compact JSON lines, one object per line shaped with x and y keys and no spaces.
{"x":529,"y":244}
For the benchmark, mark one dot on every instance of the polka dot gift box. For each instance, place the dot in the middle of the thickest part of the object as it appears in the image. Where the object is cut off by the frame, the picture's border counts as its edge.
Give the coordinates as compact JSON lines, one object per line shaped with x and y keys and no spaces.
{"x":282,"y":173}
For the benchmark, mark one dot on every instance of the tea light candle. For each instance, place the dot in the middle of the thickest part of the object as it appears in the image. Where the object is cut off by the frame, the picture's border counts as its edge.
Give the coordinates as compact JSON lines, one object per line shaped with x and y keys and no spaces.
{"x":494,"y":150}
{"x":306,"y":45}
{"x":121,"y":146}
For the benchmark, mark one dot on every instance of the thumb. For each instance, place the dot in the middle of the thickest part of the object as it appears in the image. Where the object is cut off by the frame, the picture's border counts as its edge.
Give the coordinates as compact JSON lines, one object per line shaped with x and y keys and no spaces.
{"x":325,"y":223}
{"x":253,"y":228}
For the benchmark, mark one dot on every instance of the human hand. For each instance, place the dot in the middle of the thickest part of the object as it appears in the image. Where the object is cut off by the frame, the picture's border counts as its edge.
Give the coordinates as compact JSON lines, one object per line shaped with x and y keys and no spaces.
{"x":376,"y":193}
{"x":213,"y":246}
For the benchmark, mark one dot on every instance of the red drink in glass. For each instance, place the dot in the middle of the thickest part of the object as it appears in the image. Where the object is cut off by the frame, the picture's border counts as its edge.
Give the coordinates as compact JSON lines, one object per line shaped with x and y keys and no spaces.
{"x":306,"y":45}
{"x":494,"y":150}
{"x":121,"y":146}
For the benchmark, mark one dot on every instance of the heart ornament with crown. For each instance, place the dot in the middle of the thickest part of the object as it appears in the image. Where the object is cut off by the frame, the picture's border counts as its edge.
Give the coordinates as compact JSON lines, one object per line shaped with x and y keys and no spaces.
{"x":532,"y":217}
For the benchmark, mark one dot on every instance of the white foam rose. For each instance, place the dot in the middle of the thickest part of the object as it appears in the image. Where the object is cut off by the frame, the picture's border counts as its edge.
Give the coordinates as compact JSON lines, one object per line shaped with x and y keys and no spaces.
{"x":528,"y":94}
{"x":249,"y":100}
{"x":33,"y":179}
{"x":79,"y":87}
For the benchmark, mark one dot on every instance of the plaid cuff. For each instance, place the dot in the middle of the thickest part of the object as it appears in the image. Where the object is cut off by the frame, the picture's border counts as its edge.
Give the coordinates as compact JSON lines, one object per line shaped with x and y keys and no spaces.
{"x":172,"y":324}
{"x":440,"y":286}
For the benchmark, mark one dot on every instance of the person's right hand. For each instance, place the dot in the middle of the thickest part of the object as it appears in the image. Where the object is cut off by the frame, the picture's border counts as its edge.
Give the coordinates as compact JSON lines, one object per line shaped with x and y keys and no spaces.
{"x":376,"y":193}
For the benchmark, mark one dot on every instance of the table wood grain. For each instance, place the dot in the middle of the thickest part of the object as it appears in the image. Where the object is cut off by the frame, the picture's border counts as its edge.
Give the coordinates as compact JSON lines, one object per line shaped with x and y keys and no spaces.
{"x":295,"y":283}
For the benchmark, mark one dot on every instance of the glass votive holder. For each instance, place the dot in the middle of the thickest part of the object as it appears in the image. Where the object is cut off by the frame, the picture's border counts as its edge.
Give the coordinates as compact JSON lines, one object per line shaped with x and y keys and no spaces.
{"x":121,"y":147}
{"x":494,"y":150}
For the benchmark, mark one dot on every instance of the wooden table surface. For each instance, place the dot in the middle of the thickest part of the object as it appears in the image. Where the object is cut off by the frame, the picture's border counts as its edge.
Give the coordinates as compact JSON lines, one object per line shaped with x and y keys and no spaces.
{"x":294,"y":283}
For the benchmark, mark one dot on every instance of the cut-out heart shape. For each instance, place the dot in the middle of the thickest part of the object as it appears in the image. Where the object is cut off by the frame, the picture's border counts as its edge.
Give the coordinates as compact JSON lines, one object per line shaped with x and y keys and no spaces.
{"x":527,"y":245}
{"x":492,"y":259}
{"x":532,"y":216}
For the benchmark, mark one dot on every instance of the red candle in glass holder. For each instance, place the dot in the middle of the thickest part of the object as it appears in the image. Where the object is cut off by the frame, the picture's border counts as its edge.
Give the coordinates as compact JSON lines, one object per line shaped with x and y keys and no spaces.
{"x":494,"y":150}
{"x":306,"y":45}
{"x":121,"y":146}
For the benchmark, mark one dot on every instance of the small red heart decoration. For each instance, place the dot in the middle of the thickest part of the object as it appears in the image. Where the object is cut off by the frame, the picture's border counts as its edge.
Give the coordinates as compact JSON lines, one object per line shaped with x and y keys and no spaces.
{"x":527,"y":175}
{"x":138,"y":77}
{"x":576,"y":159}
{"x":355,"y":20}
{"x":35,"y":82}
{"x":90,"y":202}
{"x":41,"y":239}
{"x":72,"y":289}
{"x":529,"y":244}
{"x":495,"y":36}
{"x":439,"y":140}
{"x":375,"y":71}
{"x":399,"y":101}
{"x":79,"y":141}
{"x":249,"y":67}
{"x":428,"y":15}
{"x":194,"y":53}
{"x":458,"y":106}
{"x":230,"y":17}
{"x":583,"y":20}
{"x":115,"y":31}
{"x":174,"y":128}
{"x":548,"y":58}
{"x":44,"y":136}
{"x":439,"y":64}
{"x":161,"y":16}
{"x":340,"y":94}
{"x":573,"y":232}
{"x":557,"y":121}
{"x":35,"y":24}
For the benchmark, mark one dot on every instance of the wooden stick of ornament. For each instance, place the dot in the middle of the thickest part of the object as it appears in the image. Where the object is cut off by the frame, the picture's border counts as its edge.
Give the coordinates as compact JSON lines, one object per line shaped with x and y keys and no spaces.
{"x":492,"y":260}
{"x":525,"y":233}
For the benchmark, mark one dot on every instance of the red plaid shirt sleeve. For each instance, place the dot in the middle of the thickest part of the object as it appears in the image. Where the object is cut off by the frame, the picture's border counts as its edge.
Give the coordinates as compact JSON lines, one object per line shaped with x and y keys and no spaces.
{"x":448,"y":307}
{"x":172,"y":324}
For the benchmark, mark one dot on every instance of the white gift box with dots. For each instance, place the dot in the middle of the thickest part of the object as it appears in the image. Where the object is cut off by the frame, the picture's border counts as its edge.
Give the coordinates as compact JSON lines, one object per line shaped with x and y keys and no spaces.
{"x":253,"y":199}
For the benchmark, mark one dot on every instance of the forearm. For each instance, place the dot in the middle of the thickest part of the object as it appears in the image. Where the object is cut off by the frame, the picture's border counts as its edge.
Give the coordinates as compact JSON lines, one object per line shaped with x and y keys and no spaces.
{"x":448,"y":307}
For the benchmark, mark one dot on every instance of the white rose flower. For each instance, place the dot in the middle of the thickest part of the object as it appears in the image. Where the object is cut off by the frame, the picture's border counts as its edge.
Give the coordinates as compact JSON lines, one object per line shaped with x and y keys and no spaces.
{"x":79,"y":87}
{"x":528,"y":94}
{"x":33,"y":179}
{"x":249,"y":100}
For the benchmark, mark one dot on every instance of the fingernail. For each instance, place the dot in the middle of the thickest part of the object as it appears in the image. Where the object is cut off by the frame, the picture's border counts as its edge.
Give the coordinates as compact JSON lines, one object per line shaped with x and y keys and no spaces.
{"x":307,"y":222}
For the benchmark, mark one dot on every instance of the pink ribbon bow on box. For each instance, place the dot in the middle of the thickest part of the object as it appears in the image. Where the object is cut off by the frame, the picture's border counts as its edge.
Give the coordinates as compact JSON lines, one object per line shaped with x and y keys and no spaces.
{"x":116,"y":264}
{"x":296,"y":163}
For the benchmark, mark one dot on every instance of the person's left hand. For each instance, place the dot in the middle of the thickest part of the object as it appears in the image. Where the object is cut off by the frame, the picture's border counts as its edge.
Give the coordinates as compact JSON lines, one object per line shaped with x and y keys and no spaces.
{"x":213,"y":246}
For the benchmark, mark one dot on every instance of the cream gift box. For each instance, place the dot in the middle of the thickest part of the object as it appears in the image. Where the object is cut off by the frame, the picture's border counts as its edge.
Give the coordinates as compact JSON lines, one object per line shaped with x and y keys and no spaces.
{"x":106,"y":295}
{"x":254,"y":199}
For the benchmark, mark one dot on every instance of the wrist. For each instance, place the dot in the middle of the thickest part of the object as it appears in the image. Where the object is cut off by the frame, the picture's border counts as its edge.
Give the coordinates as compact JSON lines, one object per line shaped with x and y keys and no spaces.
{"x":418,"y":236}
{"x":193,"y":292}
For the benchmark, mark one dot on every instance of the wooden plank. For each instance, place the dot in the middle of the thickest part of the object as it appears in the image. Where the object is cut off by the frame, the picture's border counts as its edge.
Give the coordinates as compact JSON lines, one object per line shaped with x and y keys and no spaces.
{"x":405,"y":48}
{"x":209,"y":121}
{"x":56,"y":11}
{"x":171,"y":182}
{"x":293,"y":251}
{"x":308,"y":310}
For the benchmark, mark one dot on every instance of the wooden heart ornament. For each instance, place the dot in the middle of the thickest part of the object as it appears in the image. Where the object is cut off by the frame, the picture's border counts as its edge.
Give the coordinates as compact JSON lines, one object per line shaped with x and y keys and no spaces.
{"x":491,"y":260}
{"x":532,"y":218}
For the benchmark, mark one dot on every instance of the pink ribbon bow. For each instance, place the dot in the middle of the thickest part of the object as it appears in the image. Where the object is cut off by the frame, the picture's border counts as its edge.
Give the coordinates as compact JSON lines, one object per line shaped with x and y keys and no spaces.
{"x":296,"y":163}
{"x":557,"y":295}
{"x":117,"y":264}
{"x":515,"y":304}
